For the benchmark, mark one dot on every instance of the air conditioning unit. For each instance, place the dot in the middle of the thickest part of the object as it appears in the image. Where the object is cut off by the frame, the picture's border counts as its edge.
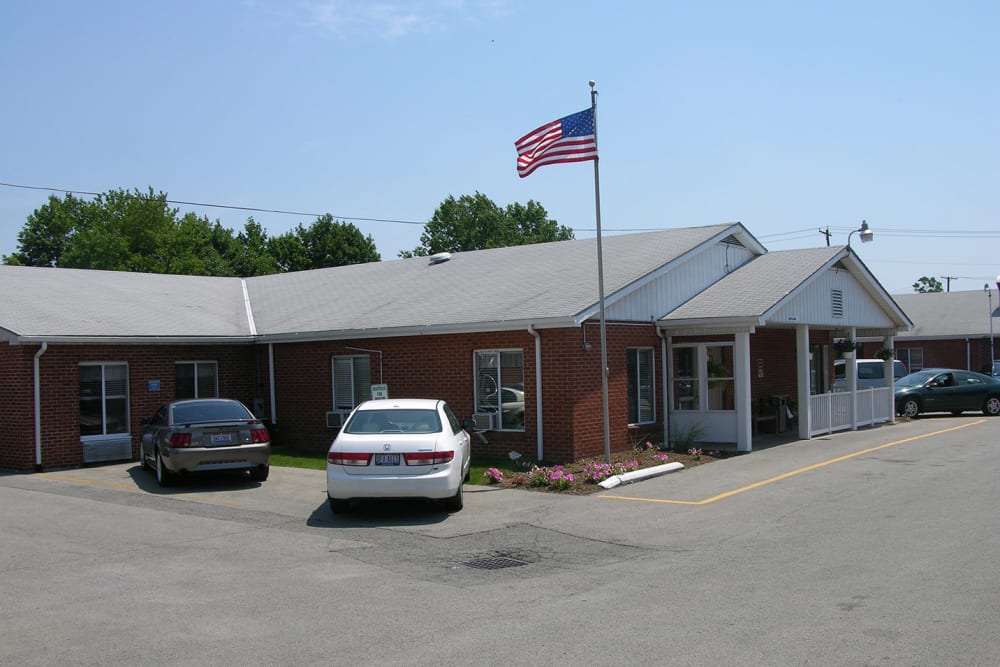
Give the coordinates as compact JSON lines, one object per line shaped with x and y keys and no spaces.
{"x":336,"y":418}
{"x":487,"y":421}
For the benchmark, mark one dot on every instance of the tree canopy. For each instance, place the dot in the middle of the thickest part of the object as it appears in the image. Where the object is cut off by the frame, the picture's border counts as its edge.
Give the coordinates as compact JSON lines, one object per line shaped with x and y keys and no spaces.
{"x":926,"y":284}
{"x":139,"y":231}
{"x":475,"y":222}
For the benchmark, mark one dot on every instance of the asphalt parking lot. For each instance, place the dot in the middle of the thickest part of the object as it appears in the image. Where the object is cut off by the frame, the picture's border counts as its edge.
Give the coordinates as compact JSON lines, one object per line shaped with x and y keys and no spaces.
{"x":857,"y":548}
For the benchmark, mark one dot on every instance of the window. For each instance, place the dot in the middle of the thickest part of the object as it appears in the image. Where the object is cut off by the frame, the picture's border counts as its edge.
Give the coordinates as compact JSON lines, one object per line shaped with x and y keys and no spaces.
{"x":103,"y":399}
{"x":912,"y":358}
{"x":686,"y":378}
{"x":196,"y":379}
{"x":721,"y":382}
{"x":352,"y":381}
{"x":641,"y":398}
{"x":499,"y":378}
{"x":703,"y":377}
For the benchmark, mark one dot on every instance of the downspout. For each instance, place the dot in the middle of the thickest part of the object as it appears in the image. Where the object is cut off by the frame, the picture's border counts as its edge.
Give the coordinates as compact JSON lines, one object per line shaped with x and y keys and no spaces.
{"x":38,"y":406}
{"x":270,"y":377}
{"x":538,"y":392}
{"x":664,"y":382}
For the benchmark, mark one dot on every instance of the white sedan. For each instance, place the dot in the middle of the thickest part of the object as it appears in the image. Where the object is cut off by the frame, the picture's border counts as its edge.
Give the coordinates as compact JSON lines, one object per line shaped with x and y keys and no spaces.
{"x":399,"y":448}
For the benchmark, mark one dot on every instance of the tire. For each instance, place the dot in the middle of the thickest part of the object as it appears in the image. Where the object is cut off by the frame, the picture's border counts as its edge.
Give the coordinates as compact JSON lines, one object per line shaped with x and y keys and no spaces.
{"x":143,"y":463}
{"x":991,"y":408}
{"x":456,"y":502}
{"x":909,"y":407}
{"x":163,"y":476}
{"x":339,"y":506}
{"x":260,"y":473}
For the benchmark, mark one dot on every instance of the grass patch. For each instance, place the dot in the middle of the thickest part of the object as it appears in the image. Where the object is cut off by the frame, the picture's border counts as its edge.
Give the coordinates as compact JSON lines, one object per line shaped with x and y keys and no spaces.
{"x":290,"y":458}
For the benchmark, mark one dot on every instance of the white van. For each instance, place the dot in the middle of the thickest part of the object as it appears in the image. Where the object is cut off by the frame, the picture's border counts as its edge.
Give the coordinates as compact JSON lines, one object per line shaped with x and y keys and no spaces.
{"x":871,"y":373}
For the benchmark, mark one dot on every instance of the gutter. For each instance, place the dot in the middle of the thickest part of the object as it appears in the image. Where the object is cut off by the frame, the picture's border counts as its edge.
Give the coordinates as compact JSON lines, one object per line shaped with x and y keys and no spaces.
{"x":540,"y":448}
{"x":38,"y":405}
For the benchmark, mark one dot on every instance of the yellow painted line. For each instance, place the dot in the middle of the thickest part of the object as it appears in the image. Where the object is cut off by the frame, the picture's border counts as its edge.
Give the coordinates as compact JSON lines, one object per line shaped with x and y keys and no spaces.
{"x":132,"y":487}
{"x":792,"y":473}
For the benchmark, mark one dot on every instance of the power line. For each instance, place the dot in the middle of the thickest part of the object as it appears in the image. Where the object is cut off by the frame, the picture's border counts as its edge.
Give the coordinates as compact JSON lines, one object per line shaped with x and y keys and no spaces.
{"x":226,"y":206}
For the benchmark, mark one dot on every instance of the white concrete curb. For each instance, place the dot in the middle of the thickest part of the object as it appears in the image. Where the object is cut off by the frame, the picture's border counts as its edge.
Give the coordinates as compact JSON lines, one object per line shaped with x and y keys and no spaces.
{"x":636,"y":475}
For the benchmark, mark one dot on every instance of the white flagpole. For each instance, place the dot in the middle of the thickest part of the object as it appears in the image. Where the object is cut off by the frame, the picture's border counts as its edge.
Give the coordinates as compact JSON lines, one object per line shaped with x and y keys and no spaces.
{"x":600,"y":285}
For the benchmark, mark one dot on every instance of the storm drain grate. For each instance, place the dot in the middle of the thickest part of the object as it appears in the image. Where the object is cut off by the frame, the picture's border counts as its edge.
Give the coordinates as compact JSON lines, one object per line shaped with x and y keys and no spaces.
{"x":497,"y":563}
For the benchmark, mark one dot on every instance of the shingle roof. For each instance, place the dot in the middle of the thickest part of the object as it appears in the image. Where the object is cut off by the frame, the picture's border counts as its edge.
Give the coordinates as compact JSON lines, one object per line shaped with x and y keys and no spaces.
{"x":950,"y":314}
{"x":757,"y":286}
{"x":553,"y":281}
{"x":515,"y":284}
{"x":71,"y":303}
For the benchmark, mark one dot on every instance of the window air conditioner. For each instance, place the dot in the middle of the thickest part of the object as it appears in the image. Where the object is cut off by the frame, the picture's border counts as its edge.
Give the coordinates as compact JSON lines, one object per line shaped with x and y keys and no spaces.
{"x":487,"y":421}
{"x":336,"y":418}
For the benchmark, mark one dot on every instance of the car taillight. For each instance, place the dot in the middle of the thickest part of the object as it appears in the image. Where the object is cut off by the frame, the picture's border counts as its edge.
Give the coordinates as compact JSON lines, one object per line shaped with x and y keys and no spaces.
{"x":259,"y":434}
{"x":180,"y":440}
{"x":349,"y":458}
{"x":427,"y":458}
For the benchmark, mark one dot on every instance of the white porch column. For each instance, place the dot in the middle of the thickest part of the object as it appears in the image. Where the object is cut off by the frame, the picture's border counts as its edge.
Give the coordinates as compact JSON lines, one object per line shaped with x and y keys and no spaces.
{"x":802,"y":379}
{"x":889,"y":373}
{"x":851,"y":375}
{"x":741,"y":370}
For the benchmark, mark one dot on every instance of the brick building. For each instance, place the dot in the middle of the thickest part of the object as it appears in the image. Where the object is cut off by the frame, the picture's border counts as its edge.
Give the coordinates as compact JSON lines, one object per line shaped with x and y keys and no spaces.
{"x":703,"y":328}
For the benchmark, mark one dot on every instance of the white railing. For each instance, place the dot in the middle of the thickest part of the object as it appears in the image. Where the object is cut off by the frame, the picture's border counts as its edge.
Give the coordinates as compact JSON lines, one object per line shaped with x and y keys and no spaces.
{"x":832,"y":412}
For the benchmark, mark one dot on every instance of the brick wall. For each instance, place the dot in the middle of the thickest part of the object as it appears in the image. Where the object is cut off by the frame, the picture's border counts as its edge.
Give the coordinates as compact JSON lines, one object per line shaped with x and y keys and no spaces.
{"x":240,"y":377}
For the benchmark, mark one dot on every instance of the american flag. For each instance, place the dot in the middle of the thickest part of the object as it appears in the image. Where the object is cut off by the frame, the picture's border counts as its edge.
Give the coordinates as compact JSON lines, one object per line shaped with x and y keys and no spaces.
{"x":569,"y":139}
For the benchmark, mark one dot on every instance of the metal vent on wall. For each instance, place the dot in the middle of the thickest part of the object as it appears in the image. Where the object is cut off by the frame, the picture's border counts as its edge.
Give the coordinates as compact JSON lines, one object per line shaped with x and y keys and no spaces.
{"x":837,"y":302}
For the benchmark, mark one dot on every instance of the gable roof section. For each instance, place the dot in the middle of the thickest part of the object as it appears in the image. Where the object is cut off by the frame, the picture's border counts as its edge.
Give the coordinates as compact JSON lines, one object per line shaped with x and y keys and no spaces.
{"x":79,"y":306}
{"x":749,"y":295}
{"x":545,"y":284}
{"x":949,"y":314}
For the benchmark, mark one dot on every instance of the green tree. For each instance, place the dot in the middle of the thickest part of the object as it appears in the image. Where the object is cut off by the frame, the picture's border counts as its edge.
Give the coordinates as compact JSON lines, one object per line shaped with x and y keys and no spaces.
{"x":925,"y":284}
{"x":326,"y":242}
{"x":45,"y":235}
{"x":249,"y":254}
{"x":475,"y":222}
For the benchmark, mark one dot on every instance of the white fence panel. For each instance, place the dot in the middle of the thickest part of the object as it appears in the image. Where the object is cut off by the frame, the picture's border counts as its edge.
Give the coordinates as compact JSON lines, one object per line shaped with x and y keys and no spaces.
{"x":832,"y":412}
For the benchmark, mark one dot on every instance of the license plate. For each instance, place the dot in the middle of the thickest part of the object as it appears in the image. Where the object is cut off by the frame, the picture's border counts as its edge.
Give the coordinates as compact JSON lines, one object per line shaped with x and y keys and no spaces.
{"x":221,"y":438}
{"x":387,"y":459}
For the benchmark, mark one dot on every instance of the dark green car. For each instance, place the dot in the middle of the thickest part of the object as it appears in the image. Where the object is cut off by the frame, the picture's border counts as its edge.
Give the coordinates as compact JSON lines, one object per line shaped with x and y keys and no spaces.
{"x":947,"y":390}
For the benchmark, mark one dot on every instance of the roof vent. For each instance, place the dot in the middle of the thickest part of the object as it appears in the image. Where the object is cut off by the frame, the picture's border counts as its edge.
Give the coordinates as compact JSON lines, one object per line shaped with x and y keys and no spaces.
{"x":439,"y":258}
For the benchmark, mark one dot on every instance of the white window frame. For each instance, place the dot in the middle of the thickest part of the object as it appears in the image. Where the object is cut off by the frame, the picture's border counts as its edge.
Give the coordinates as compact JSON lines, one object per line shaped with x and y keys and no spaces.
{"x":196,"y":364}
{"x":650,"y":385}
{"x":701,"y":377}
{"x":498,"y":381}
{"x":359,"y":392}
{"x":104,"y":365}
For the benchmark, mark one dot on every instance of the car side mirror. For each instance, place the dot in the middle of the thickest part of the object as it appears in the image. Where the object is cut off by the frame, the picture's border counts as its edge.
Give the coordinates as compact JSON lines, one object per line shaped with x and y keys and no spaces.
{"x":469,"y":424}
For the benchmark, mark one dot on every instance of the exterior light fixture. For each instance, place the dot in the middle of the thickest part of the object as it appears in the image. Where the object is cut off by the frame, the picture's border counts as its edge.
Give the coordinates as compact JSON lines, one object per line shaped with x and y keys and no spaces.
{"x":864,"y":232}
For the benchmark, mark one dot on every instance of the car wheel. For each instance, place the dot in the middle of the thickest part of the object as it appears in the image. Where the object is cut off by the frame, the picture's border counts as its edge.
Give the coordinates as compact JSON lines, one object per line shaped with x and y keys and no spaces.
{"x":338,"y":505}
{"x":163,"y":476}
{"x":992,"y":406}
{"x":910,"y":407}
{"x":143,"y":463}
{"x":456,"y":502}
{"x":260,"y":473}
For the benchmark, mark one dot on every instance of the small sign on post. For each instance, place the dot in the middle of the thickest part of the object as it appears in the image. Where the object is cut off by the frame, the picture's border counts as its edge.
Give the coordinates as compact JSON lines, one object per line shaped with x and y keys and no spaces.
{"x":380,"y":391}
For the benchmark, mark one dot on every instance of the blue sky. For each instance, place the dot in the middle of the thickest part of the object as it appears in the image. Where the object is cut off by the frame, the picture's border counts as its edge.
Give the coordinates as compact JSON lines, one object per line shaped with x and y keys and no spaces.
{"x":790,"y":117}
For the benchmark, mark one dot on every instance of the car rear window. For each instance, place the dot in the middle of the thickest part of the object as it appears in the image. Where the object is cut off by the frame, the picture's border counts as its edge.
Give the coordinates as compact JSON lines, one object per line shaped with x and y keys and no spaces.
{"x":210,"y":411}
{"x":394,"y":420}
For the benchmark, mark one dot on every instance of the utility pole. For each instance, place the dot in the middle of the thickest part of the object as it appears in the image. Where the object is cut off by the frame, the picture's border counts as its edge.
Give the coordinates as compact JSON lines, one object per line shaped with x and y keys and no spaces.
{"x":827,"y":234}
{"x":948,"y":280}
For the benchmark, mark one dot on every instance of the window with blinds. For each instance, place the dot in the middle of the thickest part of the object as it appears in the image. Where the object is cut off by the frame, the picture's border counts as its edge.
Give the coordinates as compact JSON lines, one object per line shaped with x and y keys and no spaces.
{"x":641,"y":389}
{"x":104,"y":399}
{"x":352,"y":381}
